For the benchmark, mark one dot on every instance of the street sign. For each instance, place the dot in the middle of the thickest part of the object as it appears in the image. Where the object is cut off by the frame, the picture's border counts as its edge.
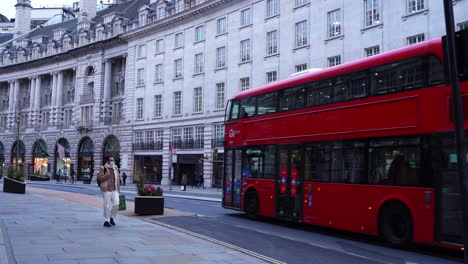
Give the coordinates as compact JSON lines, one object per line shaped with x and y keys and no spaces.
{"x":174,"y":158}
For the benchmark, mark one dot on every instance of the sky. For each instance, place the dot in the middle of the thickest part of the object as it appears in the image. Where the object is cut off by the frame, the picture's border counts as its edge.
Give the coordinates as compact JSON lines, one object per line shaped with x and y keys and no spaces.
{"x":7,"y":7}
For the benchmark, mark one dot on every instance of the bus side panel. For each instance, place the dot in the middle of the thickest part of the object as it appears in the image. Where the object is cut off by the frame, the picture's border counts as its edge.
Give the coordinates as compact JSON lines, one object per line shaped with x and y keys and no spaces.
{"x":332,"y":205}
{"x":266,"y":194}
{"x":388,"y":114}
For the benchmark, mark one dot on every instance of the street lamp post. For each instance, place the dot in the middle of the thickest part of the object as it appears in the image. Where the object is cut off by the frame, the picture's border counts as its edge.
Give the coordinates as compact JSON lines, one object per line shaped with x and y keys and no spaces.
{"x":458,"y":113}
{"x":17,"y":120}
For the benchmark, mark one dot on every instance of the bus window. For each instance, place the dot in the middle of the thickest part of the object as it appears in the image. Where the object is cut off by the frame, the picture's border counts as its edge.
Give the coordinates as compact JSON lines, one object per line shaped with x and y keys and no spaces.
{"x":342,"y":92}
{"x":412,"y":74}
{"x":436,"y":71}
{"x":266,"y":103}
{"x":253,"y":164}
{"x":270,"y":162}
{"x":355,"y":162}
{"x":320,"y":93}
{"x":358,"y":85}
{"x":234,"y":112}
{"x":395,"y":162}
{"x":318,"y":162}
{"x":385,"y":79}
{"x":248,"y":106}
{"x":291,"y":99}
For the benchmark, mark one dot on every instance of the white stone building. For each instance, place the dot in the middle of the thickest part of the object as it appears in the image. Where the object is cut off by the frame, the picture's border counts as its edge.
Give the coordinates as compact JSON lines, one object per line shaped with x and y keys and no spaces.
{"x":175,"y":65}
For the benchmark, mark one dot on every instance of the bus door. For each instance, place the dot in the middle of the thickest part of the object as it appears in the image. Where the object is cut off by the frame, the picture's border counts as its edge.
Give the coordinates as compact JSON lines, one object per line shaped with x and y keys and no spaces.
{"x":449,"y":216}
{"x":289,"y":183}
{"x":232,"y":179}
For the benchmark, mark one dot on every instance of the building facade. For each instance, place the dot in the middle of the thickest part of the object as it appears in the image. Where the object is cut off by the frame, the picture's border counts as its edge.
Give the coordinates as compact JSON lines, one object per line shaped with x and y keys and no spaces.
{"x":153,"y":77}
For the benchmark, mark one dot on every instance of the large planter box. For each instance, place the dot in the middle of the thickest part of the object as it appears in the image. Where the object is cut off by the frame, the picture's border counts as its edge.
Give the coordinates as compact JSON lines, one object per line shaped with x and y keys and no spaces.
{"x":149,"y":205}
{"x":38,"y":178}
{"x":13,"y":186}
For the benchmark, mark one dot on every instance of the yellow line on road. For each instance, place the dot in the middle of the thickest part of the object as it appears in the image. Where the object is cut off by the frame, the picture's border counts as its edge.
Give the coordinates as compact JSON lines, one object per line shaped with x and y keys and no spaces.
{"x":219,"y":242}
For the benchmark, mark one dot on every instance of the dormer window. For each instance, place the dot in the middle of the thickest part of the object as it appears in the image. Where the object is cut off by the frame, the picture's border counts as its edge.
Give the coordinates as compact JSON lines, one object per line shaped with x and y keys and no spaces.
{"x":99,"y":35}
{"x":57,"y":34}
{"x":24,"y":43}
{"x":108,"y":18}
{"x":117,"y":28}
{"x":161,"y":13}
{"x":142,"y":20}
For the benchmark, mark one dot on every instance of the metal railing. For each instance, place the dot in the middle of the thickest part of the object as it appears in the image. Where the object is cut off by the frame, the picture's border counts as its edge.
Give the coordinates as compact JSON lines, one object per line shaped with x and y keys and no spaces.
{"x":188,"y":144}
{"x":148,"y":146}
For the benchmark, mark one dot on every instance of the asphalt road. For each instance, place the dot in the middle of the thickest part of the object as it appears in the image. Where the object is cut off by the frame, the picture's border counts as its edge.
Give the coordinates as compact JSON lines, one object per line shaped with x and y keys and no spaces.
{"x":283,"y":241}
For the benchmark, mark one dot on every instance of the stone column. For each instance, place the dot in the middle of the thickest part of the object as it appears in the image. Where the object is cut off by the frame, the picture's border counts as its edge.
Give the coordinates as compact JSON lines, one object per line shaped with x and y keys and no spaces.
{"x":11,"y":103}
{"x":11,"y":89}
{"x":16,"y":95}
{"x":54,"y":96}
{"x":107,"y":90}
{"x":37,"y":100}
{"x":59,"y":99}
{"x":32,"y":89}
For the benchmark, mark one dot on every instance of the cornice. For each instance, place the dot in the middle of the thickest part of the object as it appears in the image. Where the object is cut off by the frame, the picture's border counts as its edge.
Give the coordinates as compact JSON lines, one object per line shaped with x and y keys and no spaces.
{"x":173,"y":19}
{"x":58,"y":57}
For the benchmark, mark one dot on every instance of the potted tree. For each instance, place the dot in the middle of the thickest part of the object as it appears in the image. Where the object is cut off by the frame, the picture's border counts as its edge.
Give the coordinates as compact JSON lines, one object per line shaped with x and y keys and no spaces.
{"x":14,"y":182}
{"x":150,"y":199}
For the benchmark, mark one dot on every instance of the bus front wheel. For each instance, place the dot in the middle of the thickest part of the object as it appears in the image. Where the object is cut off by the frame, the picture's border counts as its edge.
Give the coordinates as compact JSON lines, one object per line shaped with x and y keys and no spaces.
{"x":251,"y":204}
{"x":396,"y":224}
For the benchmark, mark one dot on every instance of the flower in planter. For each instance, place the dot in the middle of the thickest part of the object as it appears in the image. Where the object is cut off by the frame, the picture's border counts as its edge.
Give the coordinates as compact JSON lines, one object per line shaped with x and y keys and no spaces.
{"x":149,"y":190}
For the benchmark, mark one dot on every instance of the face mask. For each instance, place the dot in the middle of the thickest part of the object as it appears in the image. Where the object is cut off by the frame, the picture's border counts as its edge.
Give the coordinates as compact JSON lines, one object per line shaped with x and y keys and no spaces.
{"x":112,"y":164}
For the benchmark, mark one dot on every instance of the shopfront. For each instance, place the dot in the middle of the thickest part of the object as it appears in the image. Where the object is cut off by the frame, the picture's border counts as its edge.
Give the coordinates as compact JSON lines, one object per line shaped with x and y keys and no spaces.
{"x":40,"y":157}
{"x":190,"y":164}
{"x":62,"y":158}
{"x":85,"y":160}
{"x":111,"y":148}
{"x":18,"y":153}
{"x":148,"y":168}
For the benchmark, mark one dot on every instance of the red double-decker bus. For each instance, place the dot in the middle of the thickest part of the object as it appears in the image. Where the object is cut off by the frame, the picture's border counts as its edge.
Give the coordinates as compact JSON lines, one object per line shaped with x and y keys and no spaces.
{"x":365,"y":146}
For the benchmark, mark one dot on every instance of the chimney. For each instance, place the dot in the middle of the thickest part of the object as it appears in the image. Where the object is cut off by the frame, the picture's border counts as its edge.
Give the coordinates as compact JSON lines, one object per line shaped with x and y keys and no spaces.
{"x":89,"y":7}
{"x":23,"y":17}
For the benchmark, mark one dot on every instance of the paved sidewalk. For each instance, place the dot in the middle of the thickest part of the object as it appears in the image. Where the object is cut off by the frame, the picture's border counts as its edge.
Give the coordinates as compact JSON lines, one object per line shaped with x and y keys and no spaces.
{"x":45,"y":226}
{"x":206,"y":194}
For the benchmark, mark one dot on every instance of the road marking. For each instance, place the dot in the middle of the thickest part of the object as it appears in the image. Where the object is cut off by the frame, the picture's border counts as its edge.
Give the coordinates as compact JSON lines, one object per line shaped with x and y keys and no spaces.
{"x":219,"y":242}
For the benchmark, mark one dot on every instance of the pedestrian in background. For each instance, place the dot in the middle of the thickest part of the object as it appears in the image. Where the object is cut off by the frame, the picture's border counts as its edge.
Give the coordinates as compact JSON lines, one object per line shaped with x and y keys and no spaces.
{"x":124,"y":177}
{"x":201,"y":181}
{"x":72,"y":175}
{"x":184,"y":181}
{"x":110,"y":187}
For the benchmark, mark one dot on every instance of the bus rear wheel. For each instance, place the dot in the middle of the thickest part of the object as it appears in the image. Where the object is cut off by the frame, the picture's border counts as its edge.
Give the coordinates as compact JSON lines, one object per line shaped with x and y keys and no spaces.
{"x":251,"y":204}
{"x":396,"y":224}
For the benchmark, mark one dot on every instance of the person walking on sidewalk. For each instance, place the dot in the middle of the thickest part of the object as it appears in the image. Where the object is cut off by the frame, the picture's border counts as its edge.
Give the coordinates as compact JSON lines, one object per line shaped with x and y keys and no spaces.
{"x":124,"y":178}
{"x":184,"y":181}
{"x":110,"y":188}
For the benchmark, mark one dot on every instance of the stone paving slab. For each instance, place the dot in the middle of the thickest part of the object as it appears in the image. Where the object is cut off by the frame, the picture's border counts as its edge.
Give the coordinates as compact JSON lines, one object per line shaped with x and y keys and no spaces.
{"x":48,"y":226}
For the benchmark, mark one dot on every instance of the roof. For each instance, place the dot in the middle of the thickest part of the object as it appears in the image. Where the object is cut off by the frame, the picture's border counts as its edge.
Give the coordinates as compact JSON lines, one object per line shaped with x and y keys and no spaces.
{"x":128,"y":9}
{"x":4,"y":37}
{"x":4,"y":19}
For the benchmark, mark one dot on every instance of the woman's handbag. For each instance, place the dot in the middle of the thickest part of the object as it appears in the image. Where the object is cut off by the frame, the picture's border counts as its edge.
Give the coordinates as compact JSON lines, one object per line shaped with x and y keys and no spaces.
{"x":122,"y":203}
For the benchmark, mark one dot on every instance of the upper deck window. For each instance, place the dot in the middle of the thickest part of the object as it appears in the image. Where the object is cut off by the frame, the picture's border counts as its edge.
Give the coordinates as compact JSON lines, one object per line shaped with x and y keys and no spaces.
{"x":394,"y":77}
{"x":248,"y":107}
{"x":267,"y":103}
